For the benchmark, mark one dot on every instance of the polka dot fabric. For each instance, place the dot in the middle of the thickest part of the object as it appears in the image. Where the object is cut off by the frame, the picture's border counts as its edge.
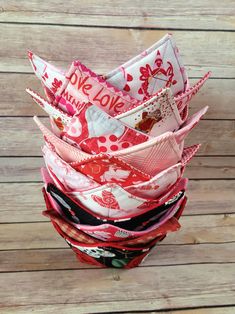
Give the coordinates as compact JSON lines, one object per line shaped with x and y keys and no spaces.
{"x":115,"y":154}
{"x":94,"y":131}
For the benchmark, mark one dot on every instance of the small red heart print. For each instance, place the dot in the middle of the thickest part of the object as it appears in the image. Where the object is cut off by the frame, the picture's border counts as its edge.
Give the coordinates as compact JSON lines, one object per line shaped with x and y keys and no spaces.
{"x":129,"y":78}
{"x":126,"y":88}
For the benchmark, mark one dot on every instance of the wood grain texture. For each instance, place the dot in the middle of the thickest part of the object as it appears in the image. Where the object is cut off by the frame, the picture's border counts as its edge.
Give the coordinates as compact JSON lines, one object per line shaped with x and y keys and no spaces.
{"x":22,"y":169}
{"x":195,"y":229}
{"x":199,"y":15}
{"x":70,"y":287}
{"x":212,"y":310}
{"x":25,"y":169}
{"x":192,"y":271}
{"x":162,"y":255}
{"x":211,"y":167}
{"x":23,"y":202}
{"x":101,"y":306}
{"x":16,"y":102}
{"x":209,"y":310}
{"x":21,"y":137}
{"x":206,"y":51}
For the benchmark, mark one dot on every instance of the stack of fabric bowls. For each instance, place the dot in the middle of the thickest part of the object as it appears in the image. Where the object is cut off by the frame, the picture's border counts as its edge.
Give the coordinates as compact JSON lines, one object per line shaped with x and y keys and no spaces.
{"x":115,"y":154}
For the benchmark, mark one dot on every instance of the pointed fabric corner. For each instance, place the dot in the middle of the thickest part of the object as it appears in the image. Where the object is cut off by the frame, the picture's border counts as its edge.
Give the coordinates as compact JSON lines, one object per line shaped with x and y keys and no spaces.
{"x":115,"y":153}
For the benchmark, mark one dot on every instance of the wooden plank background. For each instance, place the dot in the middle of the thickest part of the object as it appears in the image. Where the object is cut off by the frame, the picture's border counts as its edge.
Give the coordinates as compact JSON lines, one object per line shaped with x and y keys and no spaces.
{"x":192,"y":271}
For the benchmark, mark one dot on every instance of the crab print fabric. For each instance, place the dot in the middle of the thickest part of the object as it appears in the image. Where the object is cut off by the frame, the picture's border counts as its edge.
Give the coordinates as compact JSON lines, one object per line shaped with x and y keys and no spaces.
{"x":115,"y":153}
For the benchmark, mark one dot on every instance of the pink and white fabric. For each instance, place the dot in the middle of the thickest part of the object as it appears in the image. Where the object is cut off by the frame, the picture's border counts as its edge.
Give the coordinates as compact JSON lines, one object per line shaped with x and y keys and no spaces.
{"x":111,"y":200}
{"x":94,"y":131}
{"x":108,"y":200}
{"x":109,"y":169}
{"x":150,"y":157}
{"x":161,"y":152}
{"x":49,"y":75}
{"x":164,"y":180}
{"x":122,"y":83}
{"x":157,"y":67}
{"x":107,"y":232}
{"x":71,"y":179}
{"x":115,"y":154}
{"x":102,"y":169}
{"x":80,"y":85}
{"x":59,"y":118}
{"x":154,"y":116}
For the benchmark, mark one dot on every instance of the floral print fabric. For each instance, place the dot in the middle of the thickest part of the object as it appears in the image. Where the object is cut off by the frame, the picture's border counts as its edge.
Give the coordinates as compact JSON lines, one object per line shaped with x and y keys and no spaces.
{"x":115,"y":153}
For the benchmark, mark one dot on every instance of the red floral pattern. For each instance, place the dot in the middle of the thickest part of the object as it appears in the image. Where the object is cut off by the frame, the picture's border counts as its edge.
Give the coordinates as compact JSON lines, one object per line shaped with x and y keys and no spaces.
{"x":55,"y":85}
{"x":107,"y":200}
{"x":110,"y":170}
{"x":149,"y":75}
{"x":85,"y":131}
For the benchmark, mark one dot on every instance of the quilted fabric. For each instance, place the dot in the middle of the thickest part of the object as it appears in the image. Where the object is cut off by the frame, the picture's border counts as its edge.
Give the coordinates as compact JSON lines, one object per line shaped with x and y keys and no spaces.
{"x":115,"y":154}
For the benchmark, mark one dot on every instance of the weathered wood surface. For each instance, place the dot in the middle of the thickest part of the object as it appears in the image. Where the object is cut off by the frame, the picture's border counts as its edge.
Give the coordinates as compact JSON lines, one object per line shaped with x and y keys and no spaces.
{"x":191,"y":271}
{"x":219,"y":310}
{"x":102,"y":307}
{"x":208,"y":310}
{"x":197,"y":15}
{"x":25,"y":169}
{"x":16,"y":102}
{"x":195,"y":229}
{"x":207,"y":51}
{"x":21,"y":137}
{"x":162,"y":255}
{"x":214,"y":282}
{"x":23,"y":202}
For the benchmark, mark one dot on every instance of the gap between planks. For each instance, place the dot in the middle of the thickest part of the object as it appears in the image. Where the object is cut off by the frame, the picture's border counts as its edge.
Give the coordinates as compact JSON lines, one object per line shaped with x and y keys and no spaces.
{"x":195,"y":229}
{"x":162,"y":255}
{"x":127,"y":42}
{"x":16,"y":102}
{"x":27,"y":169}
{"x":72,"y":309}
{"x":215,"y":140}
{"x":216,"y":14}
{"x":151,"y":289}
{"x":23,"y":202}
